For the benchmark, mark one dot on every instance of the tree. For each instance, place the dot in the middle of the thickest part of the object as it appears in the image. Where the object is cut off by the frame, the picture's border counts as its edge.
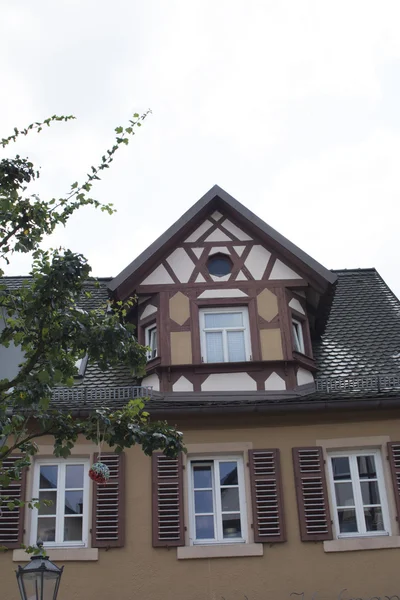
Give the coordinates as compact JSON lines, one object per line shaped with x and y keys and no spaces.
{"x":45,"y":319}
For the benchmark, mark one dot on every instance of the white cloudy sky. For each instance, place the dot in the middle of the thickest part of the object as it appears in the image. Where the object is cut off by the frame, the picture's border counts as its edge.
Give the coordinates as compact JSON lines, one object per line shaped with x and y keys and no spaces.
{"x":292,"y":106}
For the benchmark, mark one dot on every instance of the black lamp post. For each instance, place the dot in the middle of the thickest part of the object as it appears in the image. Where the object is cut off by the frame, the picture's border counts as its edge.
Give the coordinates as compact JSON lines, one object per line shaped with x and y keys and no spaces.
{"x":40,"y":578}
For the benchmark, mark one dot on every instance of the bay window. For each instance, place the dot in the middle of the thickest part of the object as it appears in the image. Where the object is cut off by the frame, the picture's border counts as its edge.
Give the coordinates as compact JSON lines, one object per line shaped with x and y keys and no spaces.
{"x":225,"y":335}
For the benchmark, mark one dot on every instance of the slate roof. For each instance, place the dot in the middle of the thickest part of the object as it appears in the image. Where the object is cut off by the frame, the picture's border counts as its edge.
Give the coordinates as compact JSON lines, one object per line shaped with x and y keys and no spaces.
{"x":361,"y":339}
{"x":362,"y":335}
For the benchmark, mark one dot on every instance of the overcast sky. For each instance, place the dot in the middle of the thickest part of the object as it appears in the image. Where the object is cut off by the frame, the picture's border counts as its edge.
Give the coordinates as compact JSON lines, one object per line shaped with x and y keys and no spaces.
{"x":293,"y":107}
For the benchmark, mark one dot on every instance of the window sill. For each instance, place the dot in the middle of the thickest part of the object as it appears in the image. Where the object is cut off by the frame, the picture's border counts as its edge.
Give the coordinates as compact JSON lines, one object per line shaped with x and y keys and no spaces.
{"x":61,"y":554}
{"x":219,"y":551}
{"x":362,"y":543}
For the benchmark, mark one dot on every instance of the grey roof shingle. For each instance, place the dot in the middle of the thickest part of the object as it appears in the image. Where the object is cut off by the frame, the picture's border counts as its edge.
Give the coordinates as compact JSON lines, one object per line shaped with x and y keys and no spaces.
{"x":362,"y":335}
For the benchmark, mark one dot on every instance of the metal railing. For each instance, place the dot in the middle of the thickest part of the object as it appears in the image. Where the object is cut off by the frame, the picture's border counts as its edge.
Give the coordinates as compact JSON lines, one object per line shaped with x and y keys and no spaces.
{"x":83,"y":394}
{"x":373,"y":383}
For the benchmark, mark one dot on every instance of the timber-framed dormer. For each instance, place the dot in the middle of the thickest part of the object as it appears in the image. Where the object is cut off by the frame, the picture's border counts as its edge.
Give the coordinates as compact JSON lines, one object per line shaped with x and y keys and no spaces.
{"x":226,"y":304}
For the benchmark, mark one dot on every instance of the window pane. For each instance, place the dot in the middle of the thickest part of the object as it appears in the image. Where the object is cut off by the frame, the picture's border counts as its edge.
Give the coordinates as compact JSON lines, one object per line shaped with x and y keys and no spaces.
{"x":214,"y":347}
{"x":370,"y":492}
{"x":74,"y":476}
{"x":230,"y":499}
{"x":203,"y":501}
{"x":236,"y":349}
{"x":47,"y":529}
{"x":231,"y":526}
{"x":219,"y":265}
{"x":202,"y":477}
{"x":347,"y":521}
{"x":228,"y":473}
{"x":366,"y":467}
{"x":73,"y":529}
{"x":297,"y":337}
{"x":341,"y":467}
{"x":373,"y":519}
{"x":73,"y":503}
{"x":48,"y":510}
{"x":204,"y":528}
{"x":219,"y":320}
{"x":344,"y":494}
{"x":48,"y":476}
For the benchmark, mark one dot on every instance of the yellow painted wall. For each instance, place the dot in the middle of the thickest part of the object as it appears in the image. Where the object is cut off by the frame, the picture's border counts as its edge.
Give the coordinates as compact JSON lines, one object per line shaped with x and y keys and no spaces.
{"x":140,"y":572}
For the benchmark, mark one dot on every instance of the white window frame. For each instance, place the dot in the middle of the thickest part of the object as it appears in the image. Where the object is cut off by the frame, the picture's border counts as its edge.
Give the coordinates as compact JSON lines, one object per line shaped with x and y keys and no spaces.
{"x":298,"y":337}
{"x":246,"y":328}
{"x":62,"y":464}
{"x":358,"y":502}
{"x":219,"y":539}
{"x":149,"y":341}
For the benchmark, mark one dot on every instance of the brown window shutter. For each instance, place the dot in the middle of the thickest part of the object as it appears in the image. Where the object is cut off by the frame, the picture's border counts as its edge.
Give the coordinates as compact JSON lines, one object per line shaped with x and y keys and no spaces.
{"x":12,"y":521}
{"x":394,"y":460}
{"x":108,"y":512}
{"x":168,"y":527}
{"x":267,"y":497}
{"x":312,"y":494}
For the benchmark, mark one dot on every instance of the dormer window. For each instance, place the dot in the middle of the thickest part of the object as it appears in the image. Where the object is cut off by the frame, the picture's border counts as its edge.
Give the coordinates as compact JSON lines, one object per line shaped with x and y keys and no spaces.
{"x":298,"y":337}
{"x":151,"y":341}
{"x":219,"y":265}
{"x":225,"y":335}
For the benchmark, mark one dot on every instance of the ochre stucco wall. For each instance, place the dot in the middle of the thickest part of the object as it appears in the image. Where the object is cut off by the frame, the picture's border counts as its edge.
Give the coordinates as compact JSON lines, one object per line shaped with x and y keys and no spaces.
{"x":140,"y":572}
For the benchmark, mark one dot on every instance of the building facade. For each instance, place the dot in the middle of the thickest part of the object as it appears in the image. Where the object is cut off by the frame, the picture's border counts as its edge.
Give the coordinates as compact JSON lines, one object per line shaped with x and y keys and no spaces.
{"x":284,"y":377}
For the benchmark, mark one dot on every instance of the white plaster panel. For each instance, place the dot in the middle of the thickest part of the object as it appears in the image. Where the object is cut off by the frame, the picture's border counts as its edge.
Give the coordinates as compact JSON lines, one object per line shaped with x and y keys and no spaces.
{"x":199,"y":278}
{"x":229,"y":382}
{"x":218,"y":236}
{"x":199,"y":231}
{"x":222,"y":294}
{"x":219,"y":250}
{"x":257,"y":261}
{"x":275,"y":382}
{"x":220,"y":277}
{"x":149,"y":310}
{"x":303,"y":376}
{"x":198,"y":251}
{"x":236,"y":231}
{"x":182,"y":385}
{"x":282,"y":271}
{"x":158,"y":276}
{"x":295,"y":304}
{"x":216,"y":215}
{"x":239,"y":250}
{"x":241,"y":276}
{"x":181,"y":264}
{"x":152,"y":381}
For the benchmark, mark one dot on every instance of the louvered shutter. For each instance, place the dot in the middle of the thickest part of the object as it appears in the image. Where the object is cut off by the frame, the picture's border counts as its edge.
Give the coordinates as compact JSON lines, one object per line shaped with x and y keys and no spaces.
{"x":267,"y":497}
{"x":312,"y":494}
{"x":12,"y":521}
{"x":394,"y":460}
{"x":108,"y":515}
{"x":168,"y":528}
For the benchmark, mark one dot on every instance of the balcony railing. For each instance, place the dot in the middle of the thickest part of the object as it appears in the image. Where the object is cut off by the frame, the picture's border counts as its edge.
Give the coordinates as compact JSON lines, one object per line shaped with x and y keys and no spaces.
{"x":373,"y":383}
{"x":88,"y":394}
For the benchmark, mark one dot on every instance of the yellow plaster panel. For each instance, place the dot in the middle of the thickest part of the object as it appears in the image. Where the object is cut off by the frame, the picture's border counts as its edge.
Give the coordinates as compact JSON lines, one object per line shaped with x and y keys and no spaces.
{"x":181,"y":348}
{"x":267,"y":305}
{"x":179,"y":308}
{"x":271,"y":344}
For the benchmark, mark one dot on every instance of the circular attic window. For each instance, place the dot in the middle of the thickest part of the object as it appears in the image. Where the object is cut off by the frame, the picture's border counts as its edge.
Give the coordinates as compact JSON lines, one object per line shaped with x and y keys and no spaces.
{"x":219,"y":265}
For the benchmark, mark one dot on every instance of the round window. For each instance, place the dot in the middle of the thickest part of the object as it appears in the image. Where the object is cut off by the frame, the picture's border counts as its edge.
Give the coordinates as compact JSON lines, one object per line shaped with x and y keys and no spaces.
{"x":219,"y":265}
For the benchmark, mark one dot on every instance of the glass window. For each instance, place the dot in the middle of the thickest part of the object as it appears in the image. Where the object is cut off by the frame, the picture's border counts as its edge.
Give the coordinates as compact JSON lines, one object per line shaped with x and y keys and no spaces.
{"x":298,"y":338}
{"x":225,"y":335}
{"x":358,"y":494}
{"x":62,"y":489}
{"x":151,"y":341}
{"x":217,"y":501}
{"x":219,"y":265}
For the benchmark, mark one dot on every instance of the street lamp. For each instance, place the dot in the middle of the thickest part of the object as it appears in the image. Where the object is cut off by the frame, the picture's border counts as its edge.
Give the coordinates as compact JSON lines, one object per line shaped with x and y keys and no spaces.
{"x":39,"y":579}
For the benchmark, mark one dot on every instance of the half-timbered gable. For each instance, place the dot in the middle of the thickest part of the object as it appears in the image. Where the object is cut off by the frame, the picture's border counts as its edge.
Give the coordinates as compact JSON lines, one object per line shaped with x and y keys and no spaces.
{"x":226,"y":304}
